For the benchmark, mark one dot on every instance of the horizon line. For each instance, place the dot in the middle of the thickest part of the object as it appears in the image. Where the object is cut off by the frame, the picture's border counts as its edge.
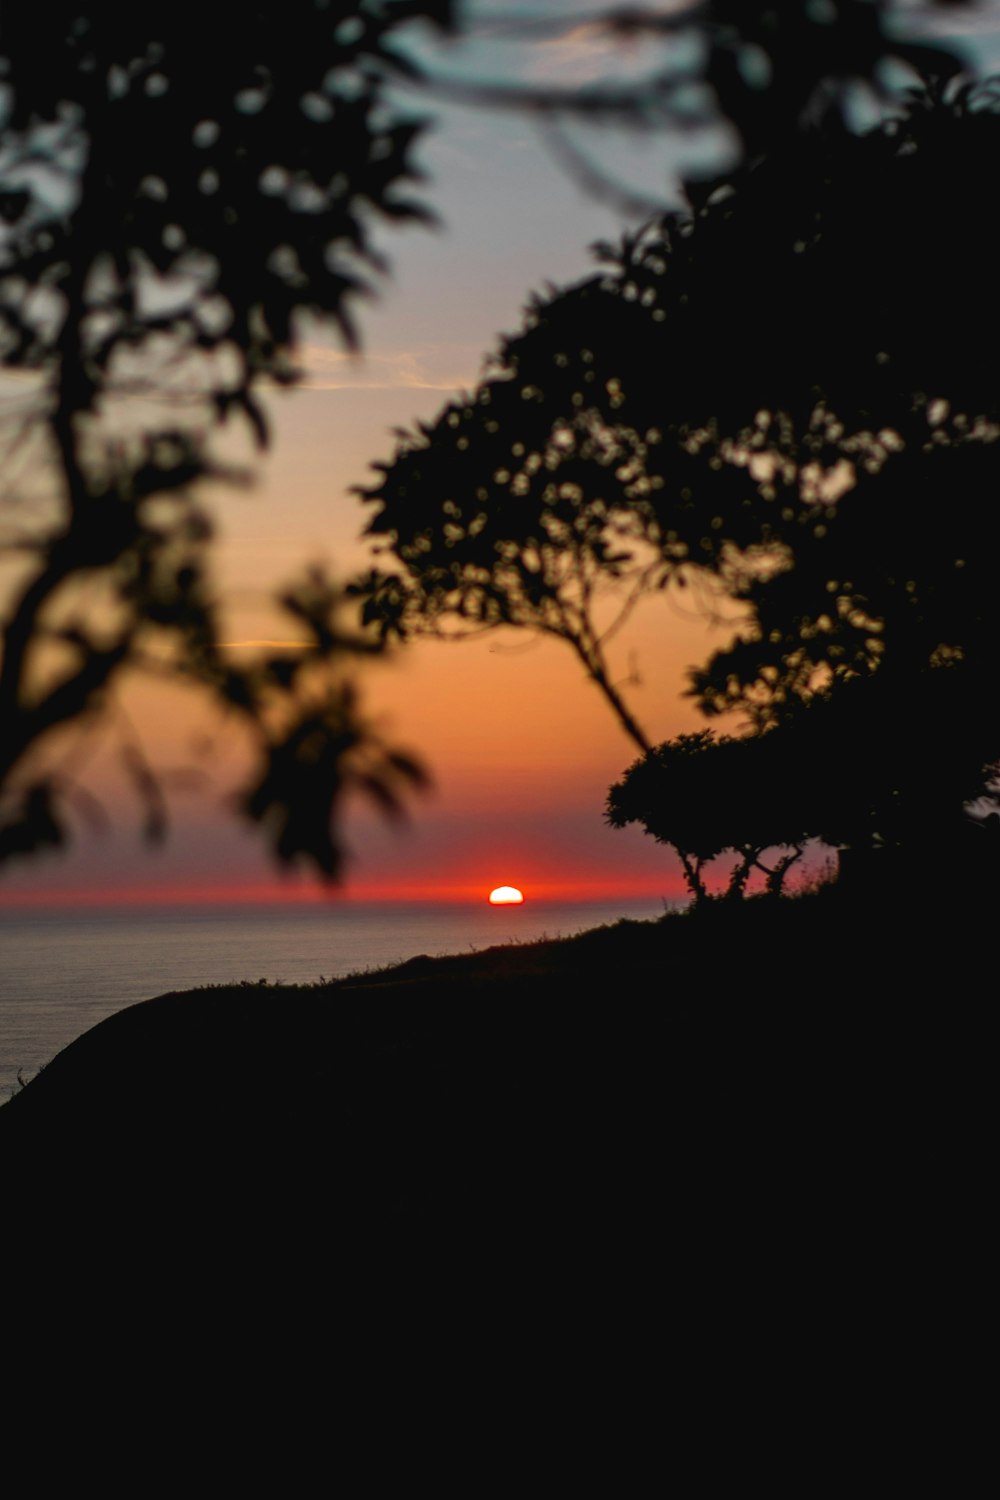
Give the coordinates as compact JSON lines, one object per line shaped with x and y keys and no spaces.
{"x":464,"y":893}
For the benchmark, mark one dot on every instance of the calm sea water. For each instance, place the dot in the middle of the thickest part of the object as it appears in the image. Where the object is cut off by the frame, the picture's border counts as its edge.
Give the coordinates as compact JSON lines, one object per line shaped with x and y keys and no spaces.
{"x":62,"y":972}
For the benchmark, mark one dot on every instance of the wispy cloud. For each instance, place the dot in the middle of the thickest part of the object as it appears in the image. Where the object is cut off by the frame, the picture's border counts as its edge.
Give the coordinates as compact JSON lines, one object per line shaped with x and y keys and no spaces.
{"x":590,"y":51}
{"x":327,"y":369}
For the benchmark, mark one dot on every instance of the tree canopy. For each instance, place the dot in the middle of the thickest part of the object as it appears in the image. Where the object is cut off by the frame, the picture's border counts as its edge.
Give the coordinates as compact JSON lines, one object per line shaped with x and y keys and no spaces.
{"x":709,"y":795}
{"x":784,"y":396}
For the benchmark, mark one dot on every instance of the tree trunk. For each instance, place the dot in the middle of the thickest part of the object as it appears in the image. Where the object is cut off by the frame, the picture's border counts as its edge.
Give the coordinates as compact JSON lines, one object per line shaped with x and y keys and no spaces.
{"x":692,"y":876}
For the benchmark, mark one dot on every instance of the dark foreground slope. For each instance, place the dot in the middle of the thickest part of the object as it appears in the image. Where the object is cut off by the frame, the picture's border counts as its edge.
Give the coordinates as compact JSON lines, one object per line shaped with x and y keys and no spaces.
{"x":724,"y":1177}
{"x":756,"y":1066}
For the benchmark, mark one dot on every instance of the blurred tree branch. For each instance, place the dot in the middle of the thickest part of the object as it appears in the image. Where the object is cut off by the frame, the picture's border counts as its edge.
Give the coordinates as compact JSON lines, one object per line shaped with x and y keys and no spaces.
{"x":174,"y":201}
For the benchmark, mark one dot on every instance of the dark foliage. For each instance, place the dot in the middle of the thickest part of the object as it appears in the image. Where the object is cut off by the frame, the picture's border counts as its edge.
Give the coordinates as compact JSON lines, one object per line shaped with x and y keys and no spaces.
{"x":784,"y":399}
{"x":708,"y":796}
{"x":176,"y":198}
{"x":880,"y":766}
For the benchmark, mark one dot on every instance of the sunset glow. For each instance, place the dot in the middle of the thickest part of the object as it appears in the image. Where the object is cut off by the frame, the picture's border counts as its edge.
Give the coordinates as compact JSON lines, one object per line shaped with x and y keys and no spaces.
{"x":506,"y":895}
{"x":518,"y":790}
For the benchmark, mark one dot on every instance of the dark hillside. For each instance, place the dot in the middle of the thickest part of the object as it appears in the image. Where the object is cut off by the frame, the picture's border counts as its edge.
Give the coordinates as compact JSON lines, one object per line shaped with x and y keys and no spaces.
{"x":784,"y":1060}
{"x":689,"y":1156}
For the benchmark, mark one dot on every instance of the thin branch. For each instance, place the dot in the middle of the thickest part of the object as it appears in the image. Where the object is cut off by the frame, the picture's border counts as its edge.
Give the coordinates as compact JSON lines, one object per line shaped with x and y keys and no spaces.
{"x":638,"y":589}
{"x":588,"y":648}
{"x":593,"y":180}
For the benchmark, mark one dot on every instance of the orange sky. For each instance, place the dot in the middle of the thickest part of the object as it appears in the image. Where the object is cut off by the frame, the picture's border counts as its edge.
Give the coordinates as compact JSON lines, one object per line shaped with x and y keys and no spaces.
{"x":521,"y":748}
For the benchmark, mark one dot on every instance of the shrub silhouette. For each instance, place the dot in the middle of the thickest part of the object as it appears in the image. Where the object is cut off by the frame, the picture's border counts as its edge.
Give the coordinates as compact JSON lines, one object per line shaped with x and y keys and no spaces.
{"x":708,"y":795}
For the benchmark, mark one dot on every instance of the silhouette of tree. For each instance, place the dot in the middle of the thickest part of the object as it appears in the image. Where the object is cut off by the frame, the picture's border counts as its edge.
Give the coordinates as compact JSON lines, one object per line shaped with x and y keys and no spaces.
{"x":707,"y":796}
{"x":173,"y":204}
{"x":785,"y":398}
{"x":175,"y":200}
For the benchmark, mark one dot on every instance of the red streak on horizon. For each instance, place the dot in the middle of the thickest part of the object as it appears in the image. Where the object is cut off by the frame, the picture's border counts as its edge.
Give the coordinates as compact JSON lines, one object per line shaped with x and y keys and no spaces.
{"x":314,"y":895}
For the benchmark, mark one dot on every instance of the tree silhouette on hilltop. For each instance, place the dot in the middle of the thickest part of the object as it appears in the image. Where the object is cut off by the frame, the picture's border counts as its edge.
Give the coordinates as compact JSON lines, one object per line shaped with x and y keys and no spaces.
{"x":783,"y":399}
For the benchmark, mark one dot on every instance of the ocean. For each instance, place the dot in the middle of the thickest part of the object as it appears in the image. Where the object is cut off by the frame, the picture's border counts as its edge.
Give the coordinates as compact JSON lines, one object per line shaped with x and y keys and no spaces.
{"x":62,"y":971}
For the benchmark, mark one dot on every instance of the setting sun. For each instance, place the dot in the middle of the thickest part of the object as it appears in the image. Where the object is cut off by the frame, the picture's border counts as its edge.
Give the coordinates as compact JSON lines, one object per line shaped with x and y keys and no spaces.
{"x":506,"y":895}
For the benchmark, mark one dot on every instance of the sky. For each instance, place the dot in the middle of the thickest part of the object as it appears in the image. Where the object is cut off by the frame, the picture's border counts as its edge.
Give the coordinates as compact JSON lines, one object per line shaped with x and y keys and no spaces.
{"x":520,"y":747}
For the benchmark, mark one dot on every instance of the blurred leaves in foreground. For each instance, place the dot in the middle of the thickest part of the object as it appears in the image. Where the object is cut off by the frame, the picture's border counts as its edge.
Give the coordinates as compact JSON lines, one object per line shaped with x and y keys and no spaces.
{"x":180,"y":205}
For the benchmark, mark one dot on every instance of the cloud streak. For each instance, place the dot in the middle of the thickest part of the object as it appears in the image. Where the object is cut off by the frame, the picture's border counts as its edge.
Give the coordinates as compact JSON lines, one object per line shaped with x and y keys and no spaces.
{"x":326,"y":369}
